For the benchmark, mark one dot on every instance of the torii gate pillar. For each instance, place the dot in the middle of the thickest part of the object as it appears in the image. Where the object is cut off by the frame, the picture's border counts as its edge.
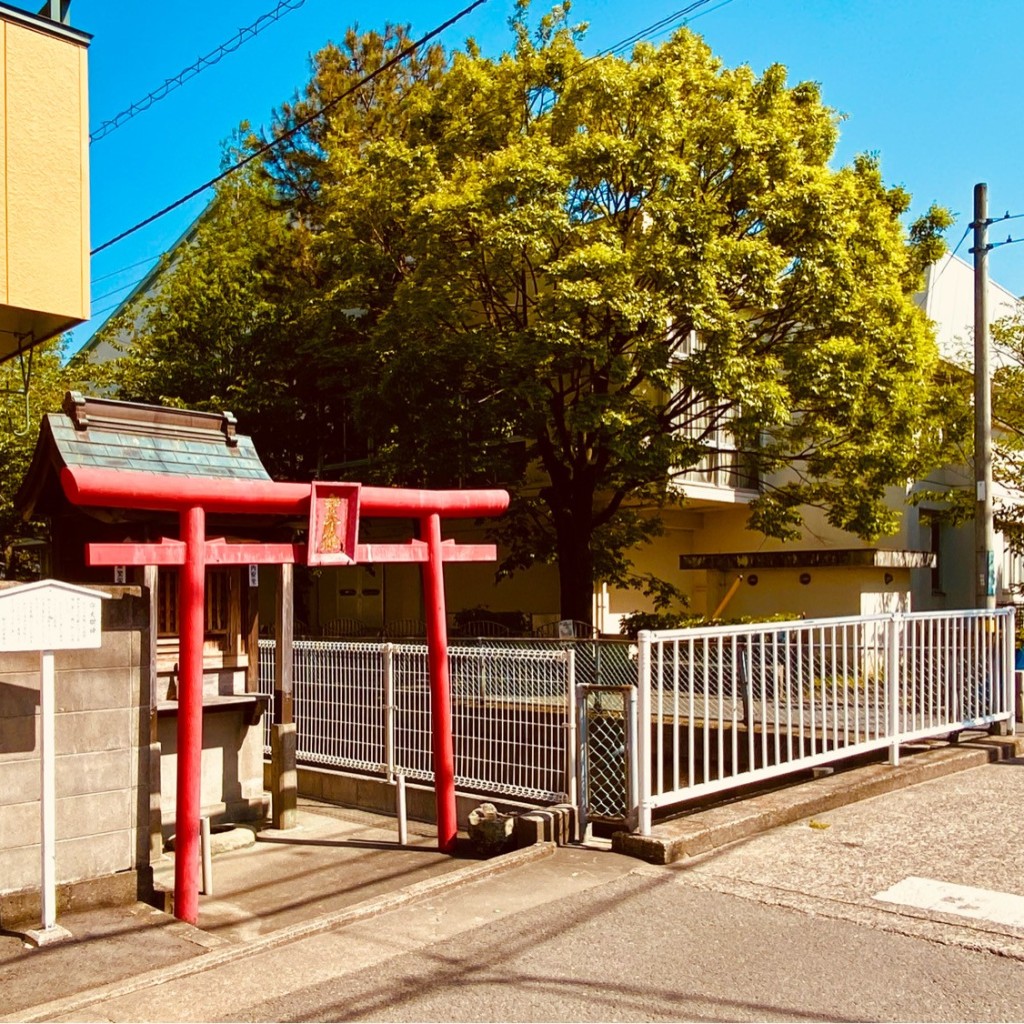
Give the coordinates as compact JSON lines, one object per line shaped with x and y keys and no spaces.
{"x":440,"y":688}
{"x":191,"y":605}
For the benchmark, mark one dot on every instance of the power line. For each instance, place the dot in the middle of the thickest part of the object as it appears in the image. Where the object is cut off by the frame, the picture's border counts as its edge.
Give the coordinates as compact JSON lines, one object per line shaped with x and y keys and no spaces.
{"x":214,"y":57}
{"x":131,"y":266}
{"x":106,"y":309}
{"x":669,"y":21}
{"x":942,"y":269}
{"x":122,"y":288}
{"x":297,"y":127}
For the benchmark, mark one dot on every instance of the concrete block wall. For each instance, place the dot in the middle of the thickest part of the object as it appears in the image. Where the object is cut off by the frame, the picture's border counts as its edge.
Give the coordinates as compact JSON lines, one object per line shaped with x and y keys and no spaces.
{"x":102,"y":736}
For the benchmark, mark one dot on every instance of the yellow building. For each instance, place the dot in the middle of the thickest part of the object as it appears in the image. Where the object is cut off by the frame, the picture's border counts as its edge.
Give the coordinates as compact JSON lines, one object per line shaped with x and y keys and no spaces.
{"x":44,"y":176}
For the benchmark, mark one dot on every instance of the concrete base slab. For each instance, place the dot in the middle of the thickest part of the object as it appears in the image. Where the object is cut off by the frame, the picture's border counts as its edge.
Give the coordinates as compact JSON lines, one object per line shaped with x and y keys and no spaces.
{"x":226,"y":838}
{"x":701,"y":830}
{"x":47,"y":936}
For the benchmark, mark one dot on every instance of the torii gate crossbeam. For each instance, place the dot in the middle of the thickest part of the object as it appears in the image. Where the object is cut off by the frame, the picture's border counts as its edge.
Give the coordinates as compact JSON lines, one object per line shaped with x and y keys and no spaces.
{"x":331,"y":540}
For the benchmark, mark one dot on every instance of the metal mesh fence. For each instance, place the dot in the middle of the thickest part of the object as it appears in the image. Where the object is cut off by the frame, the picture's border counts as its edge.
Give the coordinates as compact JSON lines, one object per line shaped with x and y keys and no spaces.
{"x":598,"y":662}
{"x":366,"y":706}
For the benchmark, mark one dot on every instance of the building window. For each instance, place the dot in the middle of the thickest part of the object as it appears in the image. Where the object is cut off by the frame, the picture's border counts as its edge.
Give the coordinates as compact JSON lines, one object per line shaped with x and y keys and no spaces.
{"x":935,"y":546}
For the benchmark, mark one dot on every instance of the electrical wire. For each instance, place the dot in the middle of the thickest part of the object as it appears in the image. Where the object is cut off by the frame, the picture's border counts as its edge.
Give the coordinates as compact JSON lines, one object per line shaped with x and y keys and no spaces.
{"x":680,"y":17}
{"x":106,"y":309}
{"x":266,"y":147}
{"x":214,"y":57}
{"x":670,"y":21}
{"x":131,"y":266}
{"x":123,"y":288}
{"x":942,"y":269}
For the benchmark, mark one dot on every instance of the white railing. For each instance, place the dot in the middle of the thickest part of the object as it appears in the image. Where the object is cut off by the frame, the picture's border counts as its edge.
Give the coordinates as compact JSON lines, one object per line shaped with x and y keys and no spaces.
{"x":366,"y":707}
{"x":722,"y":707}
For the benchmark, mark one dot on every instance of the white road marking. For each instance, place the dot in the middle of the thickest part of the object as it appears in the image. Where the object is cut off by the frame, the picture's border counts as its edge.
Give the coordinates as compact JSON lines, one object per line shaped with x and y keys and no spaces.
{"x":964,"y":900}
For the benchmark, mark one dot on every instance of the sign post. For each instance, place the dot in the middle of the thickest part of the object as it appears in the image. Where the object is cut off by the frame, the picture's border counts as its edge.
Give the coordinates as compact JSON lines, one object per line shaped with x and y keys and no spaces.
{"x":48,"y":616}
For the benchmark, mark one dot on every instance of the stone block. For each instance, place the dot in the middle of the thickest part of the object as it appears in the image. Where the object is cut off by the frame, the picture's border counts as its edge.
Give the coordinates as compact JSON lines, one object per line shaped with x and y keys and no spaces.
{"x":19,"y":695}
{"x":115,"y":652}
{"x":532,"y":828}
{"x":20,"y":825}
{"x":548,"y":825}
{"x":19,"y":783}
{"x":20,"y":867}
{"x":79,"y":732}
{"x":97,"y":689}
{"x":94,"y":814}
{"x":569,"y":823}
{"x":19,"y":663}
{"x":250,"y":762}
{"x":127,"y":609}
{"x":100,"y":771}
{"x":94,"y":855}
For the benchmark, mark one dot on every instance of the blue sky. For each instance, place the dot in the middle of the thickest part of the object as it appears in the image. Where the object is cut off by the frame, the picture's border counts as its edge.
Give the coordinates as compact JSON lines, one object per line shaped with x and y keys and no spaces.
{"x":933,"y":88}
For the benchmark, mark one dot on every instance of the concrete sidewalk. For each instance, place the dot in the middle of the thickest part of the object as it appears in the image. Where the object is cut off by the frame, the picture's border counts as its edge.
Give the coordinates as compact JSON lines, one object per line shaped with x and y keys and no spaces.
{"x":342,"y":866}
{"x":338,"y":865}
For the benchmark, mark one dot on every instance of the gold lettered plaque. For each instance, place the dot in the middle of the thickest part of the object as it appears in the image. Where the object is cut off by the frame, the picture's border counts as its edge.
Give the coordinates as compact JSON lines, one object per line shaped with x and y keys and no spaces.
{"x":333,"y":524}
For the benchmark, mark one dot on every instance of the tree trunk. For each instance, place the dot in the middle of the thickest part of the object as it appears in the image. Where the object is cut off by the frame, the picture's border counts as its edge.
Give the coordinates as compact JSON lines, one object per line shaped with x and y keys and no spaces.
{"x":575,"y":571}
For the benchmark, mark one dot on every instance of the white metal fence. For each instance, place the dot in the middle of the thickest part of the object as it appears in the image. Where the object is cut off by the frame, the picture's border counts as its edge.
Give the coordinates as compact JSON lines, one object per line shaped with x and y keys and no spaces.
{"x":715,"y":709}
{"x":366,"y":707}
{"x":722,"y":707}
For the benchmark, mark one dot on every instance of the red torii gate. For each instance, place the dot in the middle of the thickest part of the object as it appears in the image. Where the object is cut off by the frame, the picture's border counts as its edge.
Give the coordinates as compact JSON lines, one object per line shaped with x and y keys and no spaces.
{"x":333,"y":510}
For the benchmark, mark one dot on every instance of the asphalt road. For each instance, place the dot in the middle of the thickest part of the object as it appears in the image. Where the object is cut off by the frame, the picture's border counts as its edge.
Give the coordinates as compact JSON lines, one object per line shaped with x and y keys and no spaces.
{"x":784,"y":926}
{"x":648,"y":947}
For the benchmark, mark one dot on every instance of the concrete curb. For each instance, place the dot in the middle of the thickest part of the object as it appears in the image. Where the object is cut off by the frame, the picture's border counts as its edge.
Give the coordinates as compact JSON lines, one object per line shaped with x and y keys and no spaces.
{"x":338,"y":919}
{"x":709,"y":829}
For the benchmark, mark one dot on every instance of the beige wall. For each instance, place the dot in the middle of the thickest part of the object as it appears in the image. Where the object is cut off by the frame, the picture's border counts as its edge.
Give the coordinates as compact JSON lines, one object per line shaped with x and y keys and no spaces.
{"x":44,"y":170}
{"x":721,"y":529}
{"x":102,"y":754}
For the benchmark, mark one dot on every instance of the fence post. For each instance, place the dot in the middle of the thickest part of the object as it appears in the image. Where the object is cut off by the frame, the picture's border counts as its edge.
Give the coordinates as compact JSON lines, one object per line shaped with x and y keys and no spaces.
{"x":893,"y":686}
{"x":388,"y":651}
{"x":1011,"y":669}
{"x":572,"y":785}
{"x":1005,"y":660}
{"x":642,"y":765}
{"x":629,"y":712}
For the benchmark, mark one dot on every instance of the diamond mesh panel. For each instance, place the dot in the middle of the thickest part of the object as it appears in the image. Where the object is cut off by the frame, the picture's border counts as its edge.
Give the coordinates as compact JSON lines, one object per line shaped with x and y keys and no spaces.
{"x":605,"y":753}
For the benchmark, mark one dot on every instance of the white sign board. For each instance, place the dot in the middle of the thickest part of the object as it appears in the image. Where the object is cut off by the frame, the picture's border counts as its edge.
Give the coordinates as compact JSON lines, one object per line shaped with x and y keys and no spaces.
{"x":50,"y":616}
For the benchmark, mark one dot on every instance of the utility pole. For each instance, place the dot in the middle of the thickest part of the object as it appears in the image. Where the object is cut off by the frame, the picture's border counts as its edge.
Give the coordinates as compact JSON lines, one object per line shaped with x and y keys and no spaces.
{"x":984,"y":530}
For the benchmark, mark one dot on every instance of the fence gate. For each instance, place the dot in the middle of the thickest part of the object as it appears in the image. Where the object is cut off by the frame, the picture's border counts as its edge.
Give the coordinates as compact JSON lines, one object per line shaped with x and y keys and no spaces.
{"x":607,"y":757}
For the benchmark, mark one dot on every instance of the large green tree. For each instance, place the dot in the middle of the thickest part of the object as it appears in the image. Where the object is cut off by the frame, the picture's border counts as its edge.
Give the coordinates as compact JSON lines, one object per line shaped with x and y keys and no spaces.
{"x":573,"y":276}
{"x":606,"y":263}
